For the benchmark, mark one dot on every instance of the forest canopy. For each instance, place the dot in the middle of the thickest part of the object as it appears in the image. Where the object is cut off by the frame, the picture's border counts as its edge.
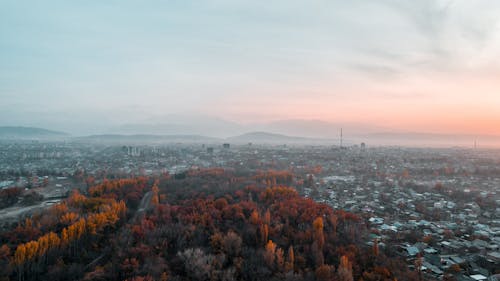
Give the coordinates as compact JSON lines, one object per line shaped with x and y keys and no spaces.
{"x":206,"y":225}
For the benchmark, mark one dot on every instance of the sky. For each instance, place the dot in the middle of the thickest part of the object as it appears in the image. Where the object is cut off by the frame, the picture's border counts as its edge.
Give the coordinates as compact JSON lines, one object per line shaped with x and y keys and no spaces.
{"x":426,"y":66}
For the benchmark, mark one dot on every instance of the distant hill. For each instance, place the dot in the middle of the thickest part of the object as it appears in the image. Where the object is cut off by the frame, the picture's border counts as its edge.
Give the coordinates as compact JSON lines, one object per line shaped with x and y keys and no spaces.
{"x":144,"y":138}
{"x":216,"y":127}
{"x":254,"y":137}
{"x":13,"y":132}
{"x":261,"y":137}
{"x":181,"y":125}
{"x":316,"y":128}
{"x":265,"y":137}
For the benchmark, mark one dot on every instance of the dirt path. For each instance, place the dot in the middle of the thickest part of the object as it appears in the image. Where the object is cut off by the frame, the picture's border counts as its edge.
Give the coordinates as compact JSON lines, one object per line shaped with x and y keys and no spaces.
{"x":143,"y":206}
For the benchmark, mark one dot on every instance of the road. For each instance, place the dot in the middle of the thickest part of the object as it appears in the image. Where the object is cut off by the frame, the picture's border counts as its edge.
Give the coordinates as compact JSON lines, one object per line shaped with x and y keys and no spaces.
{"x":13,"y":213}
{"x":143,"y":206}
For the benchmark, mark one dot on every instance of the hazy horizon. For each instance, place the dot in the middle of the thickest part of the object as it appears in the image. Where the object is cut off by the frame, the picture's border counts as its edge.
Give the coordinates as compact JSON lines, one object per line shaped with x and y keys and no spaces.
{"x":414,"y":66}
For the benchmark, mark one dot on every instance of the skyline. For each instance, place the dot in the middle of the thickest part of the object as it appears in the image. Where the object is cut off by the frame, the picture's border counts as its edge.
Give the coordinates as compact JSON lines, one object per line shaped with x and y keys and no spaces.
{"x":426,"y":66}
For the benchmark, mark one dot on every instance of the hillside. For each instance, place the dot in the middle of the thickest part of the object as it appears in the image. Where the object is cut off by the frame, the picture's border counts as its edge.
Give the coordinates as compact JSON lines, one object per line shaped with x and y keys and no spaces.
{"x":13,"y":132}
{"x":142,"y":139}
{"x":271,"y":138}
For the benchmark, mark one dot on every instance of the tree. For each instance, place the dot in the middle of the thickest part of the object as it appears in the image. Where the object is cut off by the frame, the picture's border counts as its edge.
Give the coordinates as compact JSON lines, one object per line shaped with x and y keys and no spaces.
{"x":267,"y":217}
{"x":317,"y":254}
{"x":269,"y":254}
{"x":130,"y":266}
{"x":232,"y":244}
{"x":418,"y":266}
{"x":217,"y":242}
{"x":4,"y":262}
{"x":68,"y":218}
{"x":264,"y":233}
{"x":290,"y":260}
{"x":375,"y":247}
{"x":155,"y":199}
{"x":19,"y":260}
{"x":325,"y":273}
{"x":221,"y":203}
{"x":318,"y":232}
{"x":334,"y":223}
{"x":280,"y":260}
{"x":255,"y":217}
{"x":197,"y":264}
{"x":344,"y":273}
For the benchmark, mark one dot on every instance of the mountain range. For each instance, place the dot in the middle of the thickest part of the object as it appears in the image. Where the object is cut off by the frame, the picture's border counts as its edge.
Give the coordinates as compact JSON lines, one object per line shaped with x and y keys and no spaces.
{"x":220,"y":128}
{"x":15,"y":132}
{"x":212,"y":130}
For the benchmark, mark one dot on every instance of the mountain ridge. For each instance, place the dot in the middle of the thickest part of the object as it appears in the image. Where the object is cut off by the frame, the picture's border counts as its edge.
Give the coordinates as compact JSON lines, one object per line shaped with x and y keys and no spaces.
{"x":350,"y":137}
{"x":21,"y":132}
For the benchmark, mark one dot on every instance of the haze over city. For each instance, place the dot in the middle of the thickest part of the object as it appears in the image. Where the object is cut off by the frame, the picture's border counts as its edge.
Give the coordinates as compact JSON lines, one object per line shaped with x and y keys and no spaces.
{"x":94,"y":67}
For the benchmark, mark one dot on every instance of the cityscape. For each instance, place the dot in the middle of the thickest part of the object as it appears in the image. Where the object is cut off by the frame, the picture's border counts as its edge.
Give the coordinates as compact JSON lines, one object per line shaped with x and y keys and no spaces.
{"x":437,"y":209}
{"x":221,"y":140}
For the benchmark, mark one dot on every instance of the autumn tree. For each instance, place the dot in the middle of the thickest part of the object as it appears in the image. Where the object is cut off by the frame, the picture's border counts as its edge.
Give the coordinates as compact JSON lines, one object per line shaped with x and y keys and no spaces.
{"x":344,"y":272}
{"x":264,"y":233}
{"x":290,"y":260}
{"x":155,"y":199}
{"x":217,"y":243}
{"x":375,"y":247}
{"x":267,"y":217}
{"x":325,"y":273}
{"x":270,"y":254}
{"x":255,"y":217}
{"x":232,"y":244}
{"x":318,"y":241}
{"x":318,"y":232}
{"x":197,"y":264}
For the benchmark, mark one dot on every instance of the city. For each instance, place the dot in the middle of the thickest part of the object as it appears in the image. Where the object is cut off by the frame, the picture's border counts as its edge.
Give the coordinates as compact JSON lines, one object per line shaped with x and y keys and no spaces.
{"x":439,"y":209}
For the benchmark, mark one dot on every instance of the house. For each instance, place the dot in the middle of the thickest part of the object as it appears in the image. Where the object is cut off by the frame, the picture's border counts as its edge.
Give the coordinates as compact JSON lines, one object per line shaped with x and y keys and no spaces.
{"x":375,"y":220}
{"x":478,"y":277}
{"x":412,"y":251}
{"x":432,"y":269}
{"x":430,"y":250}
{"x":494,"y":256}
